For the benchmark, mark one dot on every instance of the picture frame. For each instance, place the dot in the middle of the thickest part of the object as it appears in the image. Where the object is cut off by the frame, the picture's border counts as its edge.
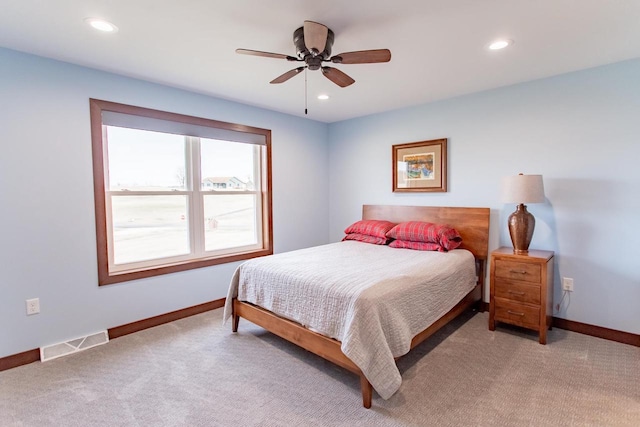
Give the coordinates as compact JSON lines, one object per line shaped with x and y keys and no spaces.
{"x":420,"y":166}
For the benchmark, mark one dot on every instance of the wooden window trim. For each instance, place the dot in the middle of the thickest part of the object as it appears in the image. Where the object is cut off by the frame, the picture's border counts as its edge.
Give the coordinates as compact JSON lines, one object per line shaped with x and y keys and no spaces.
{"x":107,"y":278}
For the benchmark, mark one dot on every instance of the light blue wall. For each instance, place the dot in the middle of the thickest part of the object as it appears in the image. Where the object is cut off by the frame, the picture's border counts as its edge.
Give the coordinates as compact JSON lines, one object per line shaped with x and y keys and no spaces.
{"x":47,"y":229}
{"x":581,"y":131}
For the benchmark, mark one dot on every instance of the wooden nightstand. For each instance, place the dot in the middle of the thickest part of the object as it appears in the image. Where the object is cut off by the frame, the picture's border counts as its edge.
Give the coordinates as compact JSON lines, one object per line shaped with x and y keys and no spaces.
{"x":522,"y":290}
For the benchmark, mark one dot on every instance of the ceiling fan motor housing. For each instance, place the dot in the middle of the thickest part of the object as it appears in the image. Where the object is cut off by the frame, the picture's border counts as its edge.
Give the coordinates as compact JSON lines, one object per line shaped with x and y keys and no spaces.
{"x":313,"y":61}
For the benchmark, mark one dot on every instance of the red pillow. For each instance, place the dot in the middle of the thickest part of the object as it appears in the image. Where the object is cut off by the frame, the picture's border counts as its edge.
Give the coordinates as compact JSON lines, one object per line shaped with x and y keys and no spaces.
{"x":366,"y":238}
{"x":419,"y":231}
{"x":370,"y":227}
{"x":420,"y":246}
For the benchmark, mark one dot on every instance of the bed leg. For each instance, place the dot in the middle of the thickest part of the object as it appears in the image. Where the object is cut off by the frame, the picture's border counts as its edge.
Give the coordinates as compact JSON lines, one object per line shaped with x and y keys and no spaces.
{"x":367,"y":391}
{"x":478,"y":306}
{"x":236,"y":321}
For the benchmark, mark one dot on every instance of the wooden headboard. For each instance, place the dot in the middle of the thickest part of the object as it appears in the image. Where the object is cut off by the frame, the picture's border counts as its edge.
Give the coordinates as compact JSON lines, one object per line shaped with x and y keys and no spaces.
{"x":471,"y":223}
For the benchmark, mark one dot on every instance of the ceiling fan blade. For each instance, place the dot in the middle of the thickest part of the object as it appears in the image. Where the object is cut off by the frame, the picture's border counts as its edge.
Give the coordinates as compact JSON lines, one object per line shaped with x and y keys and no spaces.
{"x":265,"y":54}
{"x":363,"y":57}
{"x":337,"y":76}
{"x":286,"y":76}
{"x":315,"y":36}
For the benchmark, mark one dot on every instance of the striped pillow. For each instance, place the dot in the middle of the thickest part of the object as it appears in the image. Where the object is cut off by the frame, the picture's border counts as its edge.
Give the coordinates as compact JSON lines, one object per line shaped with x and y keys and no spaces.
{"x":418,"y":231}
{"x":366,"y":238}
{"x":419,"y":246}
{"x":370,"y":227}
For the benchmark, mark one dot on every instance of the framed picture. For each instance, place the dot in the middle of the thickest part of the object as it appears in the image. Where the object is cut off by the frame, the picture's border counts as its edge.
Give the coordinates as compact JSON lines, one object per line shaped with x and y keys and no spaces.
{"x":420,"y":166}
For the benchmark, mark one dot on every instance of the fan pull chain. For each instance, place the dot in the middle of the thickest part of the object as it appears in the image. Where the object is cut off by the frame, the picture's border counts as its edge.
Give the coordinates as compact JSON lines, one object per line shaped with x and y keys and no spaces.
{"x":305,"y":91}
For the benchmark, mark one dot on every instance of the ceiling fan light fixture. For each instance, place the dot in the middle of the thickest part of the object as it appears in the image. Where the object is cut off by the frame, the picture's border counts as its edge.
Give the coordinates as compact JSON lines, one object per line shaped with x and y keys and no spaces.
{"x":500,"y":44}
{"x":313,"y":42}
{"x":323,"y":96}
{"x":101,"y":25}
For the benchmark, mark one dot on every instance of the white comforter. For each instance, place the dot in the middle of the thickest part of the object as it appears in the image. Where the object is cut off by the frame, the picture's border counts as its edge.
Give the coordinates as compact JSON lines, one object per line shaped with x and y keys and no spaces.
{"x":374,"y":299}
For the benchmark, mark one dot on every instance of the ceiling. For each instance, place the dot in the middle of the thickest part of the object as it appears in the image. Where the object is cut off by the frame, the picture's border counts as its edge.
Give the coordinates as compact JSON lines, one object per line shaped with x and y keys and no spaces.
{"x":439,"y":47}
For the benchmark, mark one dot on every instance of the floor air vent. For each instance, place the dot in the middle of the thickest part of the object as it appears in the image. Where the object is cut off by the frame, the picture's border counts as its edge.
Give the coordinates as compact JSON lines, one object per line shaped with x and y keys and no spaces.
{"x":58,"y":350}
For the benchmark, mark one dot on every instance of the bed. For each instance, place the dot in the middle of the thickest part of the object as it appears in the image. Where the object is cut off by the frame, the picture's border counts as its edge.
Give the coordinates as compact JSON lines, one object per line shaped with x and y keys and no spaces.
{"x":377,"y":315}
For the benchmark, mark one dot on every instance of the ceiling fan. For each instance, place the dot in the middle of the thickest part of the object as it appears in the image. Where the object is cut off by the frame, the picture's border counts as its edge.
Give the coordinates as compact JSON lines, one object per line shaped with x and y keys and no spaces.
{"x":313,"y":43}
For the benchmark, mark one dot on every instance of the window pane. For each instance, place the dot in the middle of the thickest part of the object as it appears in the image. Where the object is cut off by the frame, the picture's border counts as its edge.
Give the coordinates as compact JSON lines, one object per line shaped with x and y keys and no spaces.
{"x":230,"y":221}
{"x":226,"y":165}
{"x":149,"y":227}
{"x":145,"y":160}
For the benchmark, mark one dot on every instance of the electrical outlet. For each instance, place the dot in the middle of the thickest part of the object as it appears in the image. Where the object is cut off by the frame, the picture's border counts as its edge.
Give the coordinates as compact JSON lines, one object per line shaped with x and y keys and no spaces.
{"x":33,"y":306}
{"x":567,"y":284}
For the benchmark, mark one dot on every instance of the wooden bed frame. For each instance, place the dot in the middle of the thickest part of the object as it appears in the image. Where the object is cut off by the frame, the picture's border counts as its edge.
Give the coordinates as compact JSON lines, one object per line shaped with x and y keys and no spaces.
{"x":473,"y":226}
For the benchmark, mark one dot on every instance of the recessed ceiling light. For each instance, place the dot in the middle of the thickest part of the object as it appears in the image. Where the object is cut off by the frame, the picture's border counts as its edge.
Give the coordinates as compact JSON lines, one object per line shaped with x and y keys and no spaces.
{"x":101,"y":25}
{"x":500,"y":44}
{"x":323,"y":96}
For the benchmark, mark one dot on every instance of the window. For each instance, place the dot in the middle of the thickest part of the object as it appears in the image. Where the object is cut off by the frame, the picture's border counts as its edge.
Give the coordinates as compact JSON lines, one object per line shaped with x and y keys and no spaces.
{"x":175,"y":192}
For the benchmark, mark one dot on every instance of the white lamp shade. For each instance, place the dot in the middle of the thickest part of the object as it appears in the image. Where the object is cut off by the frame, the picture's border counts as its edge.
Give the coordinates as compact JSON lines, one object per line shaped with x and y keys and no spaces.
{"x":522,"y":189}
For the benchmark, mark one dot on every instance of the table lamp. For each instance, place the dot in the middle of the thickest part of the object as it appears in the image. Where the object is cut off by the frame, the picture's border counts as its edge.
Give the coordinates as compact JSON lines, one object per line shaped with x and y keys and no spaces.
{"x":522,"y":189}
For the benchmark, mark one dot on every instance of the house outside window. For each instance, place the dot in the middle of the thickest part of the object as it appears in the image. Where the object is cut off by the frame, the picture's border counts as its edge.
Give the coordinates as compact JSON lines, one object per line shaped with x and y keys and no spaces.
{"x":225,"y":183}
{"x":175,"y":192}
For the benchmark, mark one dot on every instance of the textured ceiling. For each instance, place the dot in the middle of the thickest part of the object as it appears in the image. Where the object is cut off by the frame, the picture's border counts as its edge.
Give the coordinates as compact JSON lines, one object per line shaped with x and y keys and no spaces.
{"x":438,"y":46}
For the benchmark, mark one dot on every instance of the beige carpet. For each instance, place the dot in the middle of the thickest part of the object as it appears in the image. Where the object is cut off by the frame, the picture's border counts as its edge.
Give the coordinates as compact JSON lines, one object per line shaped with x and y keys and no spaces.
{"x":194,"y":372}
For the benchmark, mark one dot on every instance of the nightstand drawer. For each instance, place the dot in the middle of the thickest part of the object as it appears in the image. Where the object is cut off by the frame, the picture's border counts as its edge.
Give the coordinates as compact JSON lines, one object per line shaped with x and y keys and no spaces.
{"x":517,"y":291}
{"x":517,"y":314}
{"x":518,"y":271}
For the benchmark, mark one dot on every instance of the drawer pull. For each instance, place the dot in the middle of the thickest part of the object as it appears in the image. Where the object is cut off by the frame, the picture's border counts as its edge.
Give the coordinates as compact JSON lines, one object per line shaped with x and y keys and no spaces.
{"x":516,"y":313}
{"x":515,"y":292}
{"x":518,"y":271}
